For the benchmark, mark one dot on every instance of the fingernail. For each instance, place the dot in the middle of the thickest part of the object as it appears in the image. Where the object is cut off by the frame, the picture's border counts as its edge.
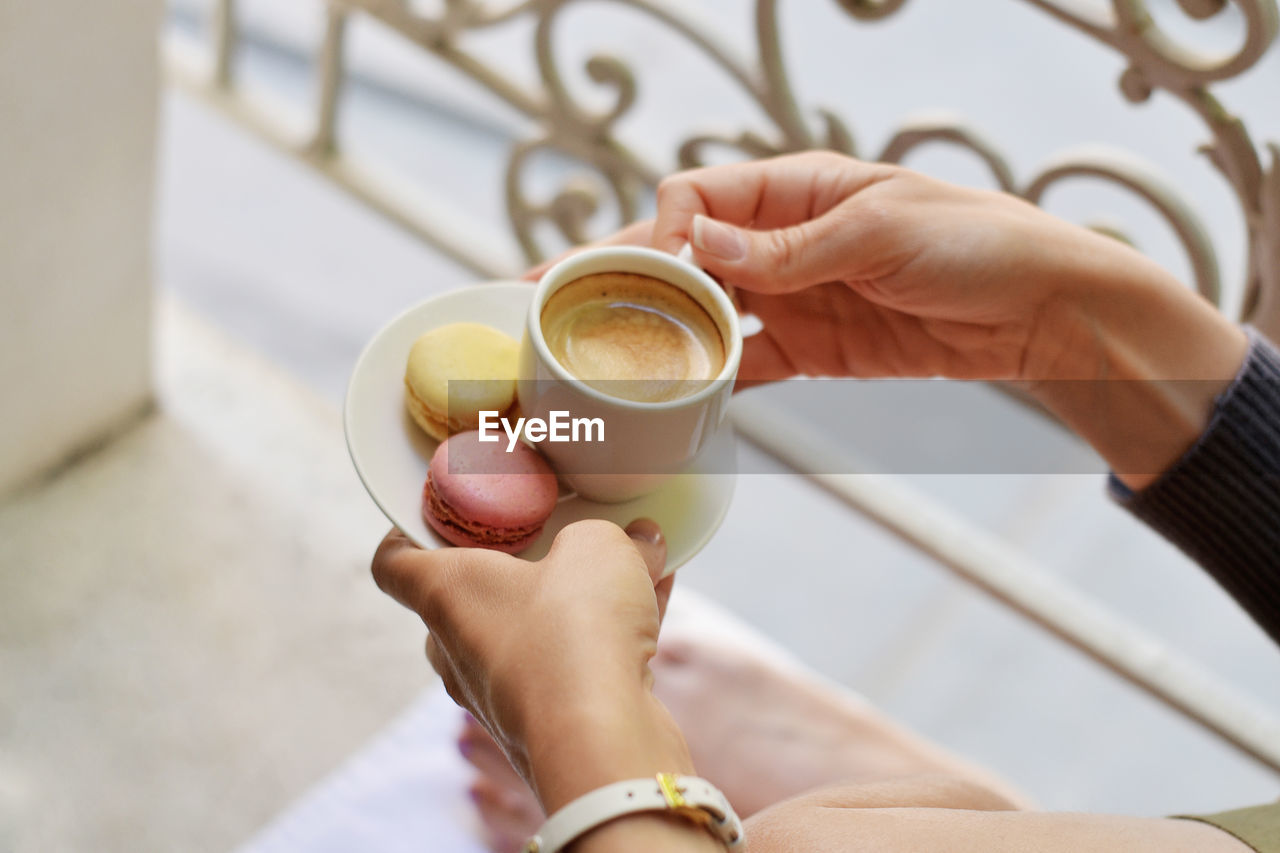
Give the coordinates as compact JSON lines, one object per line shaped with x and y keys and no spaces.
{"x":645,"y":530}
{"x":715,"y":238}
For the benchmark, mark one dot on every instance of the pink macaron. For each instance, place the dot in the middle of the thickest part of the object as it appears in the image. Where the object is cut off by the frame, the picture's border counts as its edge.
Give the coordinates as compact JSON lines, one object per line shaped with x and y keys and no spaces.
{"x":480,"y":496}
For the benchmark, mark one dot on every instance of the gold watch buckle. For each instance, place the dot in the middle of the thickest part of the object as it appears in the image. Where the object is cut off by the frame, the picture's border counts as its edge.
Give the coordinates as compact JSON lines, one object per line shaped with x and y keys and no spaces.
{"x":674,"y":796}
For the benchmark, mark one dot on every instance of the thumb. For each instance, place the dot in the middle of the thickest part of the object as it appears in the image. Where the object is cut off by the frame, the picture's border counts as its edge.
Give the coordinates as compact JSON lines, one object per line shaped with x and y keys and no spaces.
{"x":780,"y":260}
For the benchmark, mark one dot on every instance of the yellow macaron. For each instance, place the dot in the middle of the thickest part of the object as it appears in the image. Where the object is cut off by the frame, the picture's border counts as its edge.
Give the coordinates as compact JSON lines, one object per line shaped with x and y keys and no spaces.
{"x":481,"y":363}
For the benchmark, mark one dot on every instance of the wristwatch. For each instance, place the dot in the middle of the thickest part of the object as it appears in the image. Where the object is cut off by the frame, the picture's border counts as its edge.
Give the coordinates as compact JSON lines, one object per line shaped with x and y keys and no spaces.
{"x":687,"y":796}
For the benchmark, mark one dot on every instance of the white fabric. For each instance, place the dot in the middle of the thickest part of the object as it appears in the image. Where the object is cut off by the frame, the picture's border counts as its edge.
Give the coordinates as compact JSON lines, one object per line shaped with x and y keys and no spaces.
{"x":406,"y":791}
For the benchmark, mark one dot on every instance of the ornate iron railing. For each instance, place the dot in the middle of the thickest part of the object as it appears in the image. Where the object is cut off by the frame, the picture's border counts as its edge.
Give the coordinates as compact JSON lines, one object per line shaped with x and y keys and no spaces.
{"x":1154,"y":61}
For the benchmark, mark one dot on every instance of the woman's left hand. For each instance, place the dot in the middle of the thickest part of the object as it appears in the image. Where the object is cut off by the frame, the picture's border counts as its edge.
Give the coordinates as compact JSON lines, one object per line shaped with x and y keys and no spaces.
{"x":550,"y":656}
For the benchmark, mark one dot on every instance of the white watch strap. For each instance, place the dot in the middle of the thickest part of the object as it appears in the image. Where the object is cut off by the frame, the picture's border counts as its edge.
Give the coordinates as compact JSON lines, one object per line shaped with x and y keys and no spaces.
{"x":688,"y":796}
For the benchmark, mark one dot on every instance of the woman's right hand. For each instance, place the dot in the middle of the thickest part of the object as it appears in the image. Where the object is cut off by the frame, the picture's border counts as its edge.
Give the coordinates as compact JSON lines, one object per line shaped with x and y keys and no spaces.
{"x":903,"y":275}
{"x":871,"y":270}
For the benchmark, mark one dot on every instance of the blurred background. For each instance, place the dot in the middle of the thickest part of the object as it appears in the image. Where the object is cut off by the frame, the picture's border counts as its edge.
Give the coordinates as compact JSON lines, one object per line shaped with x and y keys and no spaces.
{"x":188,"y":636}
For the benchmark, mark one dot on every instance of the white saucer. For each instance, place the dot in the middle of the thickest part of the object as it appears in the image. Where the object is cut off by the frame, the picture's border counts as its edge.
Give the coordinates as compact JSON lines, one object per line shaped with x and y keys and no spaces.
{"x":391,"y":454}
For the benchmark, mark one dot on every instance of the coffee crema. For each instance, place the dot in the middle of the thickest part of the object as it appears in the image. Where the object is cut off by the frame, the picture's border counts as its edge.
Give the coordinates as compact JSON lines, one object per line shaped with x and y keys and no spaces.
{"x":633,"y":336}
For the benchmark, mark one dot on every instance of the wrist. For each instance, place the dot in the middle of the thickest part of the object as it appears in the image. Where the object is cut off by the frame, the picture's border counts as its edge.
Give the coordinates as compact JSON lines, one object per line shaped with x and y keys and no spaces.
{"x":575,"y":689}
{"x":1133,"y":361}
{"x":662,"y":812}
{"x":586,"y":744}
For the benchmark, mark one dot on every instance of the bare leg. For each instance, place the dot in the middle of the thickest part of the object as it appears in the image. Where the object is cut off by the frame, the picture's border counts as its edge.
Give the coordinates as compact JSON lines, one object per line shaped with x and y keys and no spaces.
{"x":759,"y":731}
{"x":763,"y":733}
{"x":885,"y":818}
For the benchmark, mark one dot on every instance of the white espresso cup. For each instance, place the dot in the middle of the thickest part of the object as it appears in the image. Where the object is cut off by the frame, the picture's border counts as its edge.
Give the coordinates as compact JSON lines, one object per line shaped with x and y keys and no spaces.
{"x":643,"y":442}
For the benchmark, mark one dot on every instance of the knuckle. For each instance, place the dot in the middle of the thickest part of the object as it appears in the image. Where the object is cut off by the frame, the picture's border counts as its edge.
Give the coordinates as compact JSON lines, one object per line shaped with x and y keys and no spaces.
{"x":588,"y":535}
{"x":895,"y":170}
{"x":669,"y":186}
{"x":579,"y":531}
{"x":424,"y":581}
{"x":380,"y":571}
{"x":591,"y":528}
{"x":385,"y":565}
{"x":824,"y":158}
{"x":785,"y":247}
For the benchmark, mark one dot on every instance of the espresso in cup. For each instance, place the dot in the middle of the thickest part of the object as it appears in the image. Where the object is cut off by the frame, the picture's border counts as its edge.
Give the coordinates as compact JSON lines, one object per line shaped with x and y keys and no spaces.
{"x":633,"y":336}
{"x":641,"y":343}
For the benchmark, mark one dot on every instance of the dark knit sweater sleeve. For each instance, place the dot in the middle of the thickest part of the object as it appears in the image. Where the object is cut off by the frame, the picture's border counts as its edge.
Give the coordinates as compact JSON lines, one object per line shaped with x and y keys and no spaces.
{"x":1220,"y":503}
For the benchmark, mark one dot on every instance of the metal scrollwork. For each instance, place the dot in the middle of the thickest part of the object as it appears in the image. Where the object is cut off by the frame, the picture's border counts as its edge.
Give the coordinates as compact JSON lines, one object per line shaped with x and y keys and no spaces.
{"x":1155,"y":61}
{"x":571,"y":208}
{"x":955,"y":132}
{"x":1107,"y":166}
{"x":871,"y":10}
{"x":1100,"y":164}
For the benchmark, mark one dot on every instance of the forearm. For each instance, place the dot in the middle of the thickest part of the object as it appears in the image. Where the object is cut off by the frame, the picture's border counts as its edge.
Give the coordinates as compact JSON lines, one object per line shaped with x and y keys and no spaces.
{"x":1132,"y":361}
{"x":581,"y":748}
{"x":836,"y":828}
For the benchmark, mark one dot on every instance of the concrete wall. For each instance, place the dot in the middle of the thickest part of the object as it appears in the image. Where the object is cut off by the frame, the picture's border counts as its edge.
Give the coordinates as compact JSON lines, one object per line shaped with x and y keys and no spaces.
{"x":78,"y":94}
